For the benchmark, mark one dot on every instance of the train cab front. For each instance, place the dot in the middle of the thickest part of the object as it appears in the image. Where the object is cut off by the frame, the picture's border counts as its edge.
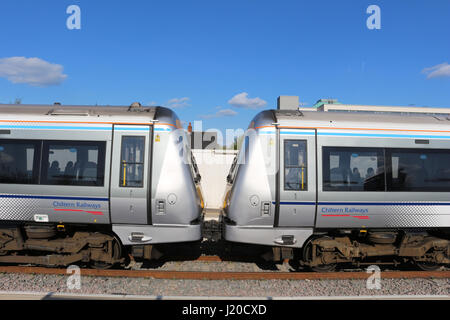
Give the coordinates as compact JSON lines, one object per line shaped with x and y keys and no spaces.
{"x":174,"y":206}
{"x":249,"y":204}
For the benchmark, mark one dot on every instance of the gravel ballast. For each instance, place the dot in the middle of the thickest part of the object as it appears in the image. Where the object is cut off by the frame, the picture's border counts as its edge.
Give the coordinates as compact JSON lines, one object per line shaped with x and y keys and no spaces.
{"x":222,"y":288}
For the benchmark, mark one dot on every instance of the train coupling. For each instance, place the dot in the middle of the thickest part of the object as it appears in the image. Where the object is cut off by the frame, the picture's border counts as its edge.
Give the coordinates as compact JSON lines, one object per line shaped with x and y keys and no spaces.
{"x":147,"y":252}
{"x":212,"y":228}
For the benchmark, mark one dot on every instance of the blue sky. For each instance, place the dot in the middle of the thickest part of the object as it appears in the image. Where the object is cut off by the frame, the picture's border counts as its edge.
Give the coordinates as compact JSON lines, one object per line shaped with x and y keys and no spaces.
{"x":197,"y":55}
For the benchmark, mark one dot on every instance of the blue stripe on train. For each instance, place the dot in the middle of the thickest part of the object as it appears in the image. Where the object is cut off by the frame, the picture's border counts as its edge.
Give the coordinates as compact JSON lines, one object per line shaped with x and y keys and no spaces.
{"x":374,"y":135}
{"x":379,"y":135}
{"x":366,"y":203}
{"x":80,"y":128}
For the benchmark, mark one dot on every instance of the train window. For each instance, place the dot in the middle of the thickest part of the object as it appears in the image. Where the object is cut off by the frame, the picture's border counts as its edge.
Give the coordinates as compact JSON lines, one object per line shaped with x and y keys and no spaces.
{"x":232,"y":172}
{"x":419,"y":170}
{"x":19,"y":161}
{"x":353,"y":169}
{"x":295,"y":170}
{"x":196,"y":173}
{"x":80,"y":163}
{"x":132,"y":162}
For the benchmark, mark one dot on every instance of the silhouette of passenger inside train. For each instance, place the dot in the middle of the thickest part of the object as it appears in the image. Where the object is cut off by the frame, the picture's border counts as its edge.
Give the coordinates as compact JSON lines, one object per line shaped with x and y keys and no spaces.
{"x":69,"y":170}
{"x":374,"y":181}
{"x":370,"y":173}
{"x":356,"y":177}
{"x":54,"y":170}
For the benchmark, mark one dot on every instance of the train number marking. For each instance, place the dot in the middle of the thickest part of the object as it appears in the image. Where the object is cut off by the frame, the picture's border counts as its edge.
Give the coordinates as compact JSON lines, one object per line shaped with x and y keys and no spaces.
{"x":41,"y":218}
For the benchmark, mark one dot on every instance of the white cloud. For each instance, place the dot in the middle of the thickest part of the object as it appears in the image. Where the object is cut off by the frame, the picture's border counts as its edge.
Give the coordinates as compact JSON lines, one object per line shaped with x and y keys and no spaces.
{"x":32,"y":71}
{"x":219,"y":114}
{"x":440,"y":70}
{"x":226,"y":113}
{"x":177,"y":103}
{"x":242,"y":100}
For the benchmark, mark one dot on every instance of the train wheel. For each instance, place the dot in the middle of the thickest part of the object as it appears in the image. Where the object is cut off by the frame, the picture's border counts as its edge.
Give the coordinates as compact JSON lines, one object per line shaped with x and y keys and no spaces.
{"x":428,"y":266}
{"x":307,"y":256}
{"x":116,"y":254}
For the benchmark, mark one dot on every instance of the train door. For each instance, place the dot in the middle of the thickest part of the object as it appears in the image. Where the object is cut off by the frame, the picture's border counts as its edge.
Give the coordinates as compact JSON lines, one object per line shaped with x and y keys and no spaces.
{"x":130,"y":174}
{"x":297,"y":178}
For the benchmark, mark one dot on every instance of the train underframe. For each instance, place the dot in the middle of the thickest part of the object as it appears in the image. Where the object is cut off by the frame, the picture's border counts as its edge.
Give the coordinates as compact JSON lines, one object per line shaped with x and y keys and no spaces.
{"x":59,"y":245}
{"x":429,"y":250}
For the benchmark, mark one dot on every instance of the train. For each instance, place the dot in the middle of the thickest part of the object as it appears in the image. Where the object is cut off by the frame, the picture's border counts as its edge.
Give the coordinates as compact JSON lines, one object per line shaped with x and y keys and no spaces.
{"x":94,"y":184}
{"x":336,"y":188}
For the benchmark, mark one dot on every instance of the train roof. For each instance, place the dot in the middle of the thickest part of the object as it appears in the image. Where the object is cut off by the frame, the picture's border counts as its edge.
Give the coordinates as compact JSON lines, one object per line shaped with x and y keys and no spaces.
{"x":352,"y":119}
{"x":134,"y":113}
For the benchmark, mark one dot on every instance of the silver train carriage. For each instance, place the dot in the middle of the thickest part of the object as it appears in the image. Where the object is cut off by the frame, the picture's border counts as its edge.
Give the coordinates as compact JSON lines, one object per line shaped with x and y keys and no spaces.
{"x":80,"y":183}
{"x":343,"y":187}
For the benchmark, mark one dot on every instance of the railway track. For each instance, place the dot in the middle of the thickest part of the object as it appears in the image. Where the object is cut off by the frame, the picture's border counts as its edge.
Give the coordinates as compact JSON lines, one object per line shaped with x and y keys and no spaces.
{"x":212,"y":275}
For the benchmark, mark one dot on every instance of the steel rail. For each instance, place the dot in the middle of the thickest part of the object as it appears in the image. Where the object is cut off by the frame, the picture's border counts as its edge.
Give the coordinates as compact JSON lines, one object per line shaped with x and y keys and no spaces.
{"x":203,"y":275}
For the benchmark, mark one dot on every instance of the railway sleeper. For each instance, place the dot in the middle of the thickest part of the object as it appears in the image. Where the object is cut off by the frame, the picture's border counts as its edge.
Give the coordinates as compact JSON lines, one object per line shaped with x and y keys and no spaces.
{"x":419,"y":248}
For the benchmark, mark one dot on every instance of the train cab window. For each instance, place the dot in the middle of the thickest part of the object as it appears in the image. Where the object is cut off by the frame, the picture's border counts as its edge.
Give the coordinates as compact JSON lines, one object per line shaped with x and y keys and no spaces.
{"x":295,"y":169}
{"x":132,"y":162}
{"x":232,"y":173}
{"x":80,"y":163}
{"x":19,"y":161}
{"x":419,"y":170}
{"x":353,"y":169}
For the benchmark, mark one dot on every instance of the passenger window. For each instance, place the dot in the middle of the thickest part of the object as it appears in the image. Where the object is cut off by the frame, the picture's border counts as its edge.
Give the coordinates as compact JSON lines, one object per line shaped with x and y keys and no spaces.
{"x":295,"y":169}
{"x":419,"y":170}
{"x":19,"y":161}
{"x":132,"y":162}
{"x":80,"y":163}
{"x":353,"y":169}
